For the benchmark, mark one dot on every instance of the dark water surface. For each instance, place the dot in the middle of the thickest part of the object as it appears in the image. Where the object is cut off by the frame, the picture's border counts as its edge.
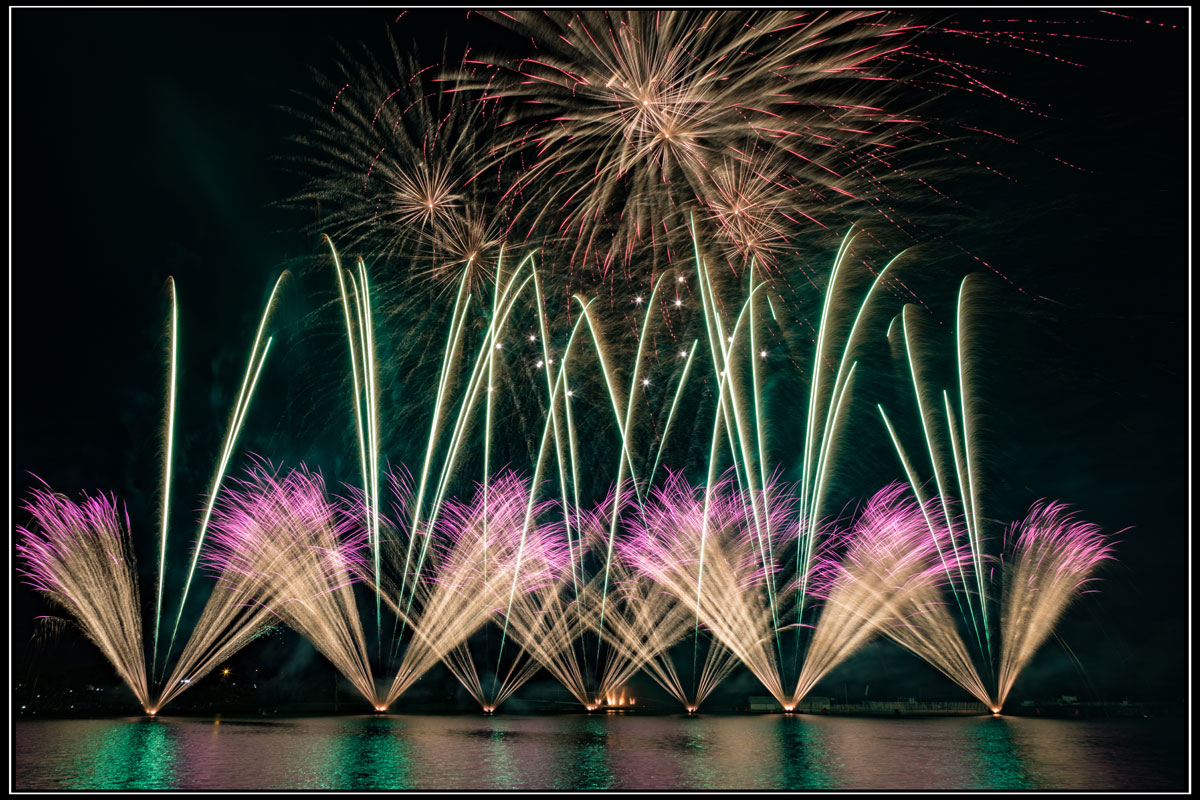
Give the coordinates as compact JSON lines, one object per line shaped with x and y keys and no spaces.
{"x":600,"y":752}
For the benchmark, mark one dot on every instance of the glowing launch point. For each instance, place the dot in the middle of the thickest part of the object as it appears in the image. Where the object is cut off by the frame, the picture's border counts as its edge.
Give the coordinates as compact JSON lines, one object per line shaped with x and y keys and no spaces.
{"x":613,"y":702}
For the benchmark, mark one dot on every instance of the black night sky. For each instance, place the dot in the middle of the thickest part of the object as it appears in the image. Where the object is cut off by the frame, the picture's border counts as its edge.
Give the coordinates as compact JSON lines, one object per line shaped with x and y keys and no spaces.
{"x":152,"y":143}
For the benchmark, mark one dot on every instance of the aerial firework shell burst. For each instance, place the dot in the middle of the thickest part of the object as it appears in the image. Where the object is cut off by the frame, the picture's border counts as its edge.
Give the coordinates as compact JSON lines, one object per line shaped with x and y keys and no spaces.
{"x":761,"y":124}
{"x":397,"y":170}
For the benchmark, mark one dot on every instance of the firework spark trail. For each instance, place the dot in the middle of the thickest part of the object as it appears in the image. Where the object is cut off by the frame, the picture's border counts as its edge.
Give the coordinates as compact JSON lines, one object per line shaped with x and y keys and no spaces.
{"x":760,"y":437}
{"x":843,"y":379}
{"x":751,"y":446}
{"x":459,"y":595}
{"x":521,"y":615}
{"x":81,"y":557}
{"x":558,"y":388}
{"x":732,"y":602}
{"x":947,"y":566}
{"x":728,"y":398}
{"x":538,"y":614}
{"x":1053,"y":557}
{"x":230,"y":619}
{"x":962,"y":476}
{"x":487,"y":419}
{"x":643,"y":623}
{"x":721,"y":348}
{"x":809,"y":526}
{"x":565,"y":486}
{"x":940,"y":472}
{"x":1032,"y":600}
{"x":249,"y":381}
{"x":168,"y":455}
{"x":623,"y":414}
{"x":479,"y":370}
{"x":969,"y":492}
{"x":366,"y":397}
{"x":482,"y":367}
{"x":362,"y":293}
{"x":557,"y":391}
{"x":739,"y":411}
{"x":890,"y":580}
{"x":624,"y":458}
{"x":449,"y":355}
{"x":617,"y":628}
{"x":577,"y":577}
{"x":299,"y":555}
{"x":683,"y":377}
{"x":820,"y":451}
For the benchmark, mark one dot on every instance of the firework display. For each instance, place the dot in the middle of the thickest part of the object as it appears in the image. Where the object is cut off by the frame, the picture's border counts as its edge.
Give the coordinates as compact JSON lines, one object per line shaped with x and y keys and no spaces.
{"x":590,"y":594}
{"x":596,"y":485}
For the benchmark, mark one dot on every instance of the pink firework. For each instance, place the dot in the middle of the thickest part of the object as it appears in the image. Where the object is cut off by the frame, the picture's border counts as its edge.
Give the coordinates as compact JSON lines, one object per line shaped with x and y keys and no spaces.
{"x":396,"y":167}
{"x":1053,"y":556}
{"x":718,"y":551}
{"x":282,"y":543}
{"x":897,"y":560}
{"x":483,"y":557}
{"x":80,"y":556}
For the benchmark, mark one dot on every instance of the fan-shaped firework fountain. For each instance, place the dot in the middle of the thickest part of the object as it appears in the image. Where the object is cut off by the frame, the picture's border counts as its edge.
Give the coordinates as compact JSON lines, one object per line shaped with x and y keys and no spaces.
{"x":704,"y":549}
{"x":1053,"y":556}
{"x":889,"y":581}
{"x":645,"y":622}
{"x":81,"y":557}
{"x":297,"y":556}
{"x":482,"y":554}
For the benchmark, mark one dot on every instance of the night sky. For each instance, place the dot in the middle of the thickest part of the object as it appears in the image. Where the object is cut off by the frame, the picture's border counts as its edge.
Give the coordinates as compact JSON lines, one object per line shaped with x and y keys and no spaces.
{"x":148,"y":144}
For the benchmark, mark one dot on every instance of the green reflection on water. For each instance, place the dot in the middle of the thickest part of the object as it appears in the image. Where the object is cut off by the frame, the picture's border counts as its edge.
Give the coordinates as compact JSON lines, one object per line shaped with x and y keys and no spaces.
{"x":996,"y":763}
{"x":502,"y":766}
{"x":803,"y":755}
{"x":696,"y":755}
{"x":587,"y":763}
{"x":366,"y":753}
{"x":125,"y":754}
